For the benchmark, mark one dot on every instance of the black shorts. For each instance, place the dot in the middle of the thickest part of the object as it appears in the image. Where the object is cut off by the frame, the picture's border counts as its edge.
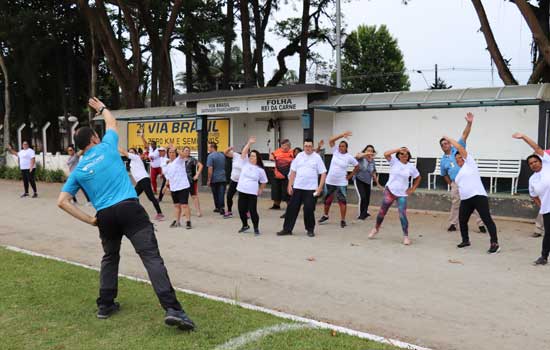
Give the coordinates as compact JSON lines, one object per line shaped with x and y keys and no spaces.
{"x":181,"y":196}
{"x":279,"y":190}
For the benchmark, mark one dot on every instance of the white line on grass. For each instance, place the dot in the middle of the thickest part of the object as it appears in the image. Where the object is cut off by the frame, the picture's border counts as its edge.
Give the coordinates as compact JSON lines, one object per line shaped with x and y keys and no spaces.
{"x":246,"y":338}
{"x":313,"y":323}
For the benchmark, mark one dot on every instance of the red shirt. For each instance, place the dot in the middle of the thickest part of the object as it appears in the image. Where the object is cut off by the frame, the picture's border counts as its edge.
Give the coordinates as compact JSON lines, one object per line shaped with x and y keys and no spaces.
{"x":282,"y":161}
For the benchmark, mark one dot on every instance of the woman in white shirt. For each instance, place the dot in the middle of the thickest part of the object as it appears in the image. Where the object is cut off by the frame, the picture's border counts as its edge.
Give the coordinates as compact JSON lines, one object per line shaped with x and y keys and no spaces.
{"x":539,"y":189}
{"x":178,"y":183}
{"x":337,"y":177}
{"x":141,"y":178}
{"x":397,"y":189}
{"x":236,"y":165}
{"x":472,"y":197}
{"x":252,"y":182}
{"x":27,"y":162}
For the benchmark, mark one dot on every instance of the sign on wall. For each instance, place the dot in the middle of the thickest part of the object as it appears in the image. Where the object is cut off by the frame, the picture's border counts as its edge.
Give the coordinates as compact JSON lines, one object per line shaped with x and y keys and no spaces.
{"x":253,"y":105}
{"x":180,"y":133}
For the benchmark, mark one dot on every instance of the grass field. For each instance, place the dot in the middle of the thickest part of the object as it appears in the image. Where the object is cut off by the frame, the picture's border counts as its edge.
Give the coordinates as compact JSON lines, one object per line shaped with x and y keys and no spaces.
{"x":46,"y":304}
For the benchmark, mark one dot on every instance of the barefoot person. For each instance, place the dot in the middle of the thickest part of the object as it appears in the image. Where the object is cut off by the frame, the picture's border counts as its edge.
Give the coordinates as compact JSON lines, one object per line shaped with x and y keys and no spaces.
{"x":338,"y":178}
{"x":449,"y":170}
{"x":539,"y":190}
{"x":194,"y":170}
{"x":142,"y":180}
{"x":397,"y":189}
{"x":303,"y":187}
{"x":102,"y":174}
{"x":27,"y":163}
{"x":363,"y":179}
{"x":472,"y":197}
{"x":251,"y":184}
{"x":177,"y":182}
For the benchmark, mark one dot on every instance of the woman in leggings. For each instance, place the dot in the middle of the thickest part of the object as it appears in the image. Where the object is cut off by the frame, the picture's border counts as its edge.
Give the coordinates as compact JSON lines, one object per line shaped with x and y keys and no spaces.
{"x":539,"y":189}
{"x":397,"y":189}
{"x":141,"y":177}
{"x":363,"y":179}
{"x":472,"y":197}
{"x":251,"y":183}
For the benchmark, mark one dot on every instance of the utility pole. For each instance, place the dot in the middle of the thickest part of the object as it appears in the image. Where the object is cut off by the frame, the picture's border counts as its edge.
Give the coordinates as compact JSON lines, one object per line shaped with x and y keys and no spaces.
{"x":338,"y":45}
{"x":436,"y":83}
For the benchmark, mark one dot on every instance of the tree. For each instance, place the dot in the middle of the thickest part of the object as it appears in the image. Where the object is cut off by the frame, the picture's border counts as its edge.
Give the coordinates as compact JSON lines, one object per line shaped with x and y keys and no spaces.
{"x":7,"y":106}
{"x":373,"y":62}
{"x":440,"y":84}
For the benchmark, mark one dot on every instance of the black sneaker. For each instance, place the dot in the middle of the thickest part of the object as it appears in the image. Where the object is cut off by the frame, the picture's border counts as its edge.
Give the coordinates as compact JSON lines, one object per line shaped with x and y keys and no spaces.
{"x":244,"y":229}
{"x":367,"y":215}
{"x":494,"y":248}
{"x":216,"y":210}
{"x":178,"y":318}
{"x":222,"y":212}
{"x":323,"y":219}
{"x":540,"y":261}
{"x":343,"y":224}
{"x":35,"y":195}
{"x":188,"y":225}
{"x":282,"y":216}
{"x":174,"y":224}
{"x":311,"y":234}
{"x":463,"y":244}
{"x":275,"y":207}
{"x":257,"y":232}
{"x":105,"y":311}
{"x":284,"y":233}
{"x":482,"y":229}
{"x":24,"y":195}
{"x":452,"y":228}
{"x":536,"y":234}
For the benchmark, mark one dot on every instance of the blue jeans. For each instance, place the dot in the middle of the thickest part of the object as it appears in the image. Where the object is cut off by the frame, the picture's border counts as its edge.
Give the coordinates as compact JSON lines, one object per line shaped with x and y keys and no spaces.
{"x":218,"y":192}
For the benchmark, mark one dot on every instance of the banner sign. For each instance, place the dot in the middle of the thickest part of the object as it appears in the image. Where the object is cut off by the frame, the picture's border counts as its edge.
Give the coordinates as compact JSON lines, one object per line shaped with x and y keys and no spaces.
{"x":180,"y":133}
{"x":253,"y":105}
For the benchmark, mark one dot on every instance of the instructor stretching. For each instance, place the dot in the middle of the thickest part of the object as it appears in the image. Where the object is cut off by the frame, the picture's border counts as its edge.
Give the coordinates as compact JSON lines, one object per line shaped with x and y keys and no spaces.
{"x":101,"y":174}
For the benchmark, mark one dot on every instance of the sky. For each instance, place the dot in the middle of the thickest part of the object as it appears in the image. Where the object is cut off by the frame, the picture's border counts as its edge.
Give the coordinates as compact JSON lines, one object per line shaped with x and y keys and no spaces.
{"x":429,"y":32}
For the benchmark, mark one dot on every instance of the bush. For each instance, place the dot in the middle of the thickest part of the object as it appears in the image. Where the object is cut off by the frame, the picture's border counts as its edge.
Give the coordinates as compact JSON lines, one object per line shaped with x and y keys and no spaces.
{"x":45,"y":175}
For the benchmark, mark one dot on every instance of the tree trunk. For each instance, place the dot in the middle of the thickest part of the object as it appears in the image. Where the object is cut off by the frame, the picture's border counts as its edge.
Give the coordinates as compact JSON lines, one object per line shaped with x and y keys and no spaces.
{"x":247,"y":50}
{"x":291,"y":49}
{"x":503,"y":70}
{"x":229,"y":36}
{"x":94,"y":63}
{"x":538,"y":33}
{"x":303,"y":42}
{"x":7,"y":105}
{"x":260,"y":25}
{"x":188,"y":70}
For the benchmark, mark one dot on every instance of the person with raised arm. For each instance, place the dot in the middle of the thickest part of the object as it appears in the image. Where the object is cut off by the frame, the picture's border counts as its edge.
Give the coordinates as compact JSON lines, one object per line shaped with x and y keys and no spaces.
{"x":397,"y":189}
{"x":252,"y":182}
{"x":303,"y":186}
{"x":472,"y":197}
{"x":27,"y":163}
{"x":363,"y":179}
{"x":449,"y":170}
{"x":102,"y":174}
{"x":141,"y":178}
{"x":539,"y":190}
{"x":338,"y":178}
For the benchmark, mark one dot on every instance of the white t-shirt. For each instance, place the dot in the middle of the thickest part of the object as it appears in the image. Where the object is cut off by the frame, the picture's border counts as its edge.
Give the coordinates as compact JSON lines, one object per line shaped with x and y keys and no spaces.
{"x":25,"y":157}
{"x":398,"y":183}
{"x":468,"y":180}
{"x":155,"y":158}
{"x":164,"y":162}
{"x":338,"y":169}
{"x":137,"y":169}
{"x":236,"y":166}
{"x":177,"y":175}
{"x":539,"y":185}
{"x":251,"y":175}
{"x":307,"y":168}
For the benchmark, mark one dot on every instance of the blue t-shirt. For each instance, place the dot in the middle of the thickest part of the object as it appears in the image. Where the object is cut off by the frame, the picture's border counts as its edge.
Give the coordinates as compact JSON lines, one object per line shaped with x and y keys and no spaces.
{"x":448,"y":162}
{"x":216,"y":160}
{"x":102,"y":175}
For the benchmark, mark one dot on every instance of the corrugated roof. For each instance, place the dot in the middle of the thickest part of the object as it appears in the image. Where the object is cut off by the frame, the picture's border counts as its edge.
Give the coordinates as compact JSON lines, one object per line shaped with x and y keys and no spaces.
{"x":513,"y":94}
{"x":151,"y":113}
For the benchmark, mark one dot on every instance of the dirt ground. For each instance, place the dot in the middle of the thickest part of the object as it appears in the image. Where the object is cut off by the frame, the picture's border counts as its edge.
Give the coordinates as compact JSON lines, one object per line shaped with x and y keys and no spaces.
{"x":430,"y":293}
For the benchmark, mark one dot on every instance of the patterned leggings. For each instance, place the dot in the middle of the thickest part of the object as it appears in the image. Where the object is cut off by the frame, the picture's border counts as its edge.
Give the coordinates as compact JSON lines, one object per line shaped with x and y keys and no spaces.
{"x":389,"y":198}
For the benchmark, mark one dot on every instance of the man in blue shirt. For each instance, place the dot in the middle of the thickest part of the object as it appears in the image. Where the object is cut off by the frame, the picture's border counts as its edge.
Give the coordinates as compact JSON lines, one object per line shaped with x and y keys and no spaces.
{"x":449,"y":170}
{"x":102,"y":175}
{"x":216,"y":176}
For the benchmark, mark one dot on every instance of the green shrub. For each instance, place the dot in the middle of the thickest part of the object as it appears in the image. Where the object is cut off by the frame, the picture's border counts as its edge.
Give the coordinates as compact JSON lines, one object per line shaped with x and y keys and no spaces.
{"x":41,"y":174}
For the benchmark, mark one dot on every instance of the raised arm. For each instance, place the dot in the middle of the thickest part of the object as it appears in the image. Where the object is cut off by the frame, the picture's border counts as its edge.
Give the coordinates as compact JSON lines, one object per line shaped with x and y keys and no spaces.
{"x":538,"y":150}
{"x":333,"y":139}
{"x":228,"y":152}
{"x":389,"y":153}
{"x":11,"y":150}
{"x":145,"y":143}
{"x":123,"y":152}
{"x":99,"y":107}
{"x":320,"y":146}
{"x":246,"y":148}
{"x":469,"y":120}
{"x":458,"y":146}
